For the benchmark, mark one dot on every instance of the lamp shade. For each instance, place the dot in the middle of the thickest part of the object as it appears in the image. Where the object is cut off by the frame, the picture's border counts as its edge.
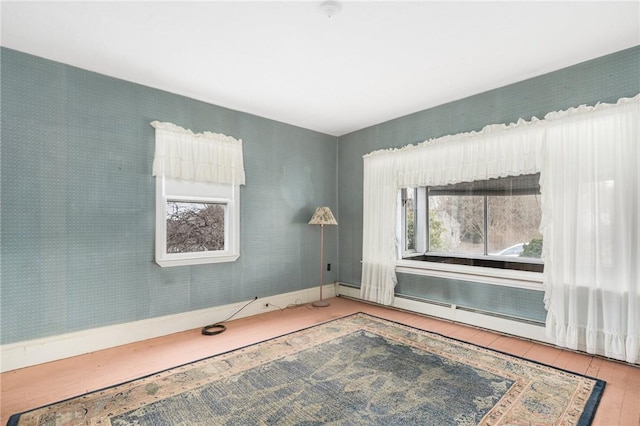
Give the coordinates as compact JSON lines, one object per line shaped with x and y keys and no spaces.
{"x":323,"y":216}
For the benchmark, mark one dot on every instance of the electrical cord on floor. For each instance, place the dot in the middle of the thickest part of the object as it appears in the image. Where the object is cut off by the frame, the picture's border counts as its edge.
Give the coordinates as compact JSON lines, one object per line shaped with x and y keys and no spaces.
{"x":217,"y":328}
{"x":297,"y":304}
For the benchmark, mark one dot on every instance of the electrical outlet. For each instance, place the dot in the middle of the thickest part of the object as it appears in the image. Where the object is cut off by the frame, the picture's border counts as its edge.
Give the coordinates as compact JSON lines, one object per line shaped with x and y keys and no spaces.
{"x":328,"y":266}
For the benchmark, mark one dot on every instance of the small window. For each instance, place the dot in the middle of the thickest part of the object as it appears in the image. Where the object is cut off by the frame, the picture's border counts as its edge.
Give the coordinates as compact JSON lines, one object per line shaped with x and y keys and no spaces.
{"x":196,"y":222}
{"x":492,"y":223}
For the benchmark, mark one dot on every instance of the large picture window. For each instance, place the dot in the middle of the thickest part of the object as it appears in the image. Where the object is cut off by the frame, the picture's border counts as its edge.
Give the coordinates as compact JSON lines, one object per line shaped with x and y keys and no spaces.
{"x":492,"y":223}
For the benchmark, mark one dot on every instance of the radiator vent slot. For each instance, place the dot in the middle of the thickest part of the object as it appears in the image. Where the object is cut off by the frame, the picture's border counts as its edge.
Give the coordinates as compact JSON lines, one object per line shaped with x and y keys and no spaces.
{"x":473,"y":310}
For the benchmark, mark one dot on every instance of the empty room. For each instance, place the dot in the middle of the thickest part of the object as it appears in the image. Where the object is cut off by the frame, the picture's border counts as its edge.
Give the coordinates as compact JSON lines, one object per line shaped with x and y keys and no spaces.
{"x":308,"y":212}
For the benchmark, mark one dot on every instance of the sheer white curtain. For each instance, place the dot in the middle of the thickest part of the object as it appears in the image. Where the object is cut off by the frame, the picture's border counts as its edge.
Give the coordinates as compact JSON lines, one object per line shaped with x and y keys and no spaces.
{"x":591,"y":227}
{"x":496,"y":151}
{"x":588,"y":159}
{"x":205,"y":157}
{"x":379,"y":230}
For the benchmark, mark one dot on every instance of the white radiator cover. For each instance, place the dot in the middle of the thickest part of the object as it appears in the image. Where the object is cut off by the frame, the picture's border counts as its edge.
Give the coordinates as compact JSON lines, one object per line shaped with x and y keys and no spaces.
{"x":452,"y":313}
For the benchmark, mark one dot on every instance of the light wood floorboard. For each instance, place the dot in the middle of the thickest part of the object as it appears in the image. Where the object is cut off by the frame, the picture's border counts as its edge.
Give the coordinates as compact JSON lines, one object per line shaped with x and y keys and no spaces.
{"x":39,"y":385}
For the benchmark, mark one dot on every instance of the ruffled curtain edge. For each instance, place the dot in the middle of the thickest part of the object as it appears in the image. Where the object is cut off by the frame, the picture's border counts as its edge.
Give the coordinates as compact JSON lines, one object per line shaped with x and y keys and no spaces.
{"x":204,"y":135}
{"x":207,"y":157}
{"x":493,"y":128}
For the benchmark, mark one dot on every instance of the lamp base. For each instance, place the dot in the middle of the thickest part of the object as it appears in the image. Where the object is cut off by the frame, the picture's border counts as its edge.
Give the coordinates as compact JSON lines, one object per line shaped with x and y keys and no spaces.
{"x":320,"y":304}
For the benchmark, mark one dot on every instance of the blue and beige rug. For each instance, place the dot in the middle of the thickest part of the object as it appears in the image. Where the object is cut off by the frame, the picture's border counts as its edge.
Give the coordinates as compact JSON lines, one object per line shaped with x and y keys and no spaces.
{"x":357,"y":370}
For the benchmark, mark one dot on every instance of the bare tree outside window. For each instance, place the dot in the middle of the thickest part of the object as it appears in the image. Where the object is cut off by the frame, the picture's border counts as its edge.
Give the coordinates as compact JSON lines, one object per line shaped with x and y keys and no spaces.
{"x":515,"y":221}
{"x":195,"y":227}
{"x":462,"y":219}
{"x":512,"y":222}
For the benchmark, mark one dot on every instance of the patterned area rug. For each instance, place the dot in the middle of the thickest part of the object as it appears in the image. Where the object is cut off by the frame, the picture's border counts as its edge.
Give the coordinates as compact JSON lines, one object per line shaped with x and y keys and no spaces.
{"x":355,"y":370}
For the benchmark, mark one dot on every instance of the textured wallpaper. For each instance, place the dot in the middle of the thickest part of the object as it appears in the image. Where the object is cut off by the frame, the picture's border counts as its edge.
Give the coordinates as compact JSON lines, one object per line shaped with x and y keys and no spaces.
{"x":78,"y":206}
{"x":77,"y":220}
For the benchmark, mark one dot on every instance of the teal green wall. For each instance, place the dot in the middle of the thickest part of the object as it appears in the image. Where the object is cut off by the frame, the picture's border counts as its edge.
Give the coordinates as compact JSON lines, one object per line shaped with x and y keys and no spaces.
{"x":604,"y":79}
{"x":77,"y":220}
{"x":77,"y":243}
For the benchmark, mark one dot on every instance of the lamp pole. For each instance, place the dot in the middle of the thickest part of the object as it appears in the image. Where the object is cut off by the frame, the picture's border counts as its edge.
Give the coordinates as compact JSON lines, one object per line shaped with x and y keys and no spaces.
{"x":321,"y":303}
{"x":322,"y":217}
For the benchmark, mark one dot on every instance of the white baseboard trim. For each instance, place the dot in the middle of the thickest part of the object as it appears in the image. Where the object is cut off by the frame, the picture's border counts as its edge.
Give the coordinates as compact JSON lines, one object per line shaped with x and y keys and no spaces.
{"x":38,"y":351}
{"x":452,"y":313}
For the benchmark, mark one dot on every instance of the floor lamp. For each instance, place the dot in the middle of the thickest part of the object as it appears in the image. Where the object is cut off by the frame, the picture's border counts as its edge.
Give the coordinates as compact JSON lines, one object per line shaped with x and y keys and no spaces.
{"x":322,"y":217}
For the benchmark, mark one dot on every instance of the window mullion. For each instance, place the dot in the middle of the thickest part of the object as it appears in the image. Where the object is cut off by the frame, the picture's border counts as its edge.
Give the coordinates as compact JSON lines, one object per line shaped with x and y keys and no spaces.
{"x":486,"y":226}
{"x":428,"y":221}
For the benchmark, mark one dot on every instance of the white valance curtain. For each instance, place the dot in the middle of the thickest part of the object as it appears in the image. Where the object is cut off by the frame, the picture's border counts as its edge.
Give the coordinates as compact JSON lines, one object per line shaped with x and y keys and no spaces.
{"x":205,"y":157}
{"x":560,"y":143}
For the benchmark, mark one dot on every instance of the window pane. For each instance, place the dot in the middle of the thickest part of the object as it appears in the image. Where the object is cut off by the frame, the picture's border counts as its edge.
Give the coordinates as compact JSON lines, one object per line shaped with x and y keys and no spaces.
{"x":513,"y":226}
{"x":510,"y":185}
{"x":456,"y":224}
{"x":409,"y":214}
{"x":195,"y":227}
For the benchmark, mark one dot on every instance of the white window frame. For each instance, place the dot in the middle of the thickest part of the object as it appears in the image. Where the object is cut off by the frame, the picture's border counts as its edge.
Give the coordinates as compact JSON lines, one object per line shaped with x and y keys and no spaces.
{"x":419,"y":223}
{"x":173,"y":189}
{"x":404,"y":263}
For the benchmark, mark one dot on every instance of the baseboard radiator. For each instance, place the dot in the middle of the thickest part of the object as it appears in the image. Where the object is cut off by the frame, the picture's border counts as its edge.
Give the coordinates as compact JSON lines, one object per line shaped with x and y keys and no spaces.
{"x":521,"y":327}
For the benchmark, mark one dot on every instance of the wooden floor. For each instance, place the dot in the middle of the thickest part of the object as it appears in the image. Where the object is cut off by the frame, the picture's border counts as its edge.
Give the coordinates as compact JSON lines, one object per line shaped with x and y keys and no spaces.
{"x":46,"y":383}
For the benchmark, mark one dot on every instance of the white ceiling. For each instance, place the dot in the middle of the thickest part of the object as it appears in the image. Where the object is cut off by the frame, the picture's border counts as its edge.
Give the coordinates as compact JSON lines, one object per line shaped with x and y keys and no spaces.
{"x":372,"y":62}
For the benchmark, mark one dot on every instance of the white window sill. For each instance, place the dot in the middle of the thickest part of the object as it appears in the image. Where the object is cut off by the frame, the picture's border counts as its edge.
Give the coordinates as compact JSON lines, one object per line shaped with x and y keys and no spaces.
{"x":495,"y":276}
{"x":197,"y":260}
